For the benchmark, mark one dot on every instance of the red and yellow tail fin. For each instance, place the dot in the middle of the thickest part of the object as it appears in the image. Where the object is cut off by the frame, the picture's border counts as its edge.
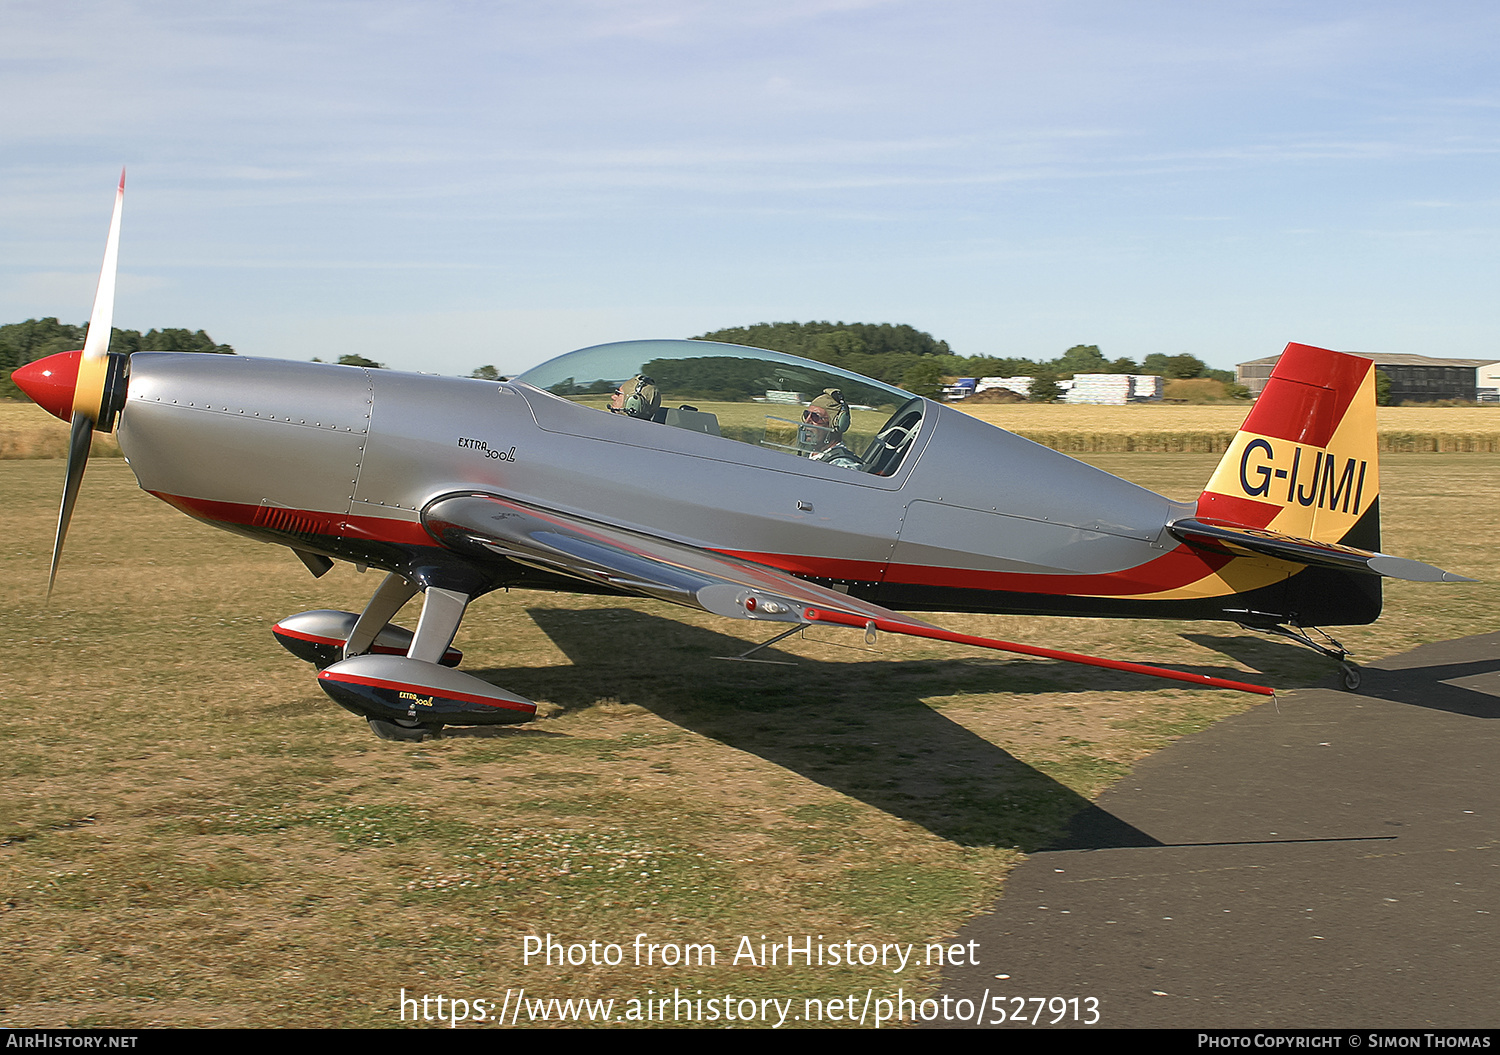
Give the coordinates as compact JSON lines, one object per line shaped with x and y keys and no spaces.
{"x":1305,"y":461}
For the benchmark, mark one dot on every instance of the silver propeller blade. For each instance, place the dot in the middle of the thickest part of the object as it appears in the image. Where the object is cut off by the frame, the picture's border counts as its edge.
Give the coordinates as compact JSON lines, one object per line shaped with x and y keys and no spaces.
{"x":88,"y":392}
{"x":79,"y":440}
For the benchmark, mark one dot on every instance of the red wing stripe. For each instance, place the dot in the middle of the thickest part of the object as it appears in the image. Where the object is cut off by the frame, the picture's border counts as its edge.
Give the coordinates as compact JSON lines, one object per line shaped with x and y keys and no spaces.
{"x":937,"y":634}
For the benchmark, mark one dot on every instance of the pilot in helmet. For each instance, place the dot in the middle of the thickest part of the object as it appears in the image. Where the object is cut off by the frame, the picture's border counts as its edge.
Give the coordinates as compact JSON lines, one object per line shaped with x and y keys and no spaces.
{"x":824,"y":423}
{"x":639,"y":398}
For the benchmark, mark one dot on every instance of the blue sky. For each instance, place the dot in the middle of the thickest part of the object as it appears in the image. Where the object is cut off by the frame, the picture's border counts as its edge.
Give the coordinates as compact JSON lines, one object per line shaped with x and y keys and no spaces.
{"x":444,"y":184}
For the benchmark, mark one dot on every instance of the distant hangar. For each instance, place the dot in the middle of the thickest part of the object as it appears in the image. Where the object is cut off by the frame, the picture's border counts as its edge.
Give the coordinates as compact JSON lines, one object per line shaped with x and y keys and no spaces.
{"x":1414,"y":378}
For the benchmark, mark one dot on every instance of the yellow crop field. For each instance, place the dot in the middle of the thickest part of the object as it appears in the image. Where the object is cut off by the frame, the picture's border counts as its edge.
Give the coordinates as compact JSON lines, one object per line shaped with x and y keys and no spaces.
{"x":1165,"y":417}
{"x":28,"y":431}
{"x":1174,"y":428}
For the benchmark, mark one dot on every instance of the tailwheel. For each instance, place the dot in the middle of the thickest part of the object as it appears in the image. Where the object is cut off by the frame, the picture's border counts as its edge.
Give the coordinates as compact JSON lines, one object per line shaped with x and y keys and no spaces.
{"x":403,"y":730}
{"x":1349,"y":673}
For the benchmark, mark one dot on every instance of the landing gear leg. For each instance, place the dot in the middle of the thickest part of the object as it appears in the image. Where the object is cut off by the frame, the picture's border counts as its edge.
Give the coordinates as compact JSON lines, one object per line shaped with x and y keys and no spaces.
{"x":1333,"y":650}
{"x":442,"y":611}
{"x":391,"y":595}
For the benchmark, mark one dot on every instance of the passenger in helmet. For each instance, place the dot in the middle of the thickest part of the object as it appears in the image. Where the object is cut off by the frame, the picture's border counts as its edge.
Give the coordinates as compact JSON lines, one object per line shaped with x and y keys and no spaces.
{"x":832,"y":402}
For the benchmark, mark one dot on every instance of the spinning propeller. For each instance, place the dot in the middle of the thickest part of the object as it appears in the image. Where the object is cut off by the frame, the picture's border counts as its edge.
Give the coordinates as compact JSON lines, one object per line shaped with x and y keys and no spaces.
{"x":86,"y":388}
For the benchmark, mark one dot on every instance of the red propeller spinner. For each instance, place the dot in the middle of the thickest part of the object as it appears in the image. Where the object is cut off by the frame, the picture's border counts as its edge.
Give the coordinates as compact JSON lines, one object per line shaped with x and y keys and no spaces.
{"x":50,"y":382}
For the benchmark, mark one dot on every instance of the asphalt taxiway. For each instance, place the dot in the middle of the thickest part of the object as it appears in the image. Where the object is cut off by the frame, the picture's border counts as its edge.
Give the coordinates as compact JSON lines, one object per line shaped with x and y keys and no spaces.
{"x":1327,"y":860}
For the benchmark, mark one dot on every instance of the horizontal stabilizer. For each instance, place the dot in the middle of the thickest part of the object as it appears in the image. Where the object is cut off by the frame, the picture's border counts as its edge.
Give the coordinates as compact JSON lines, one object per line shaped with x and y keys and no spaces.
{"x":1237,"y":540}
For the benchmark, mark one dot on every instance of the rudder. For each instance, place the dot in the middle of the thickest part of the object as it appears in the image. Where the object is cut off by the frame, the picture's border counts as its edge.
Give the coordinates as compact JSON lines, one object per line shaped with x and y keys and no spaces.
{"x":1305,"y":463}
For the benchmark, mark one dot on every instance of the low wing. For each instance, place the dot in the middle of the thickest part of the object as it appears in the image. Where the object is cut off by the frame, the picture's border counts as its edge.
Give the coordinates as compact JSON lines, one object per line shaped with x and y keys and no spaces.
{"x":1237,"y":540}
{"x":488,"y":526}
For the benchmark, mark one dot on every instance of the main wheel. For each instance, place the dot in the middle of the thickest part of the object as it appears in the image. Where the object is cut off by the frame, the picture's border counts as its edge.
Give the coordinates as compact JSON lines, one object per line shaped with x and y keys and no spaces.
{"x":1351,"y":676}
{"x":403,"y":730}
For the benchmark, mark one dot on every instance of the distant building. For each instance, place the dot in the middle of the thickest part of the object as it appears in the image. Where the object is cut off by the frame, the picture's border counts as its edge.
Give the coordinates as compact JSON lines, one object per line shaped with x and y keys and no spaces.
{"x":1414,"y":378}
{"x":1487,"y":378}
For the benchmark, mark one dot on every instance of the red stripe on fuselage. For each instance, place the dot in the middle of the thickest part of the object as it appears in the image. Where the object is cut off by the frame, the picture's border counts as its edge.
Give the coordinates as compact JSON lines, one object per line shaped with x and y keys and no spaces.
{"x":1171,"y":570}
{"x":365,"y":528}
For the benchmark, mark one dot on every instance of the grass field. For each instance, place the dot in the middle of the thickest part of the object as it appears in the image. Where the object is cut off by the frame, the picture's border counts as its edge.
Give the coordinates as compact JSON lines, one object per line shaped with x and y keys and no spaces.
{"x":193,"y":834}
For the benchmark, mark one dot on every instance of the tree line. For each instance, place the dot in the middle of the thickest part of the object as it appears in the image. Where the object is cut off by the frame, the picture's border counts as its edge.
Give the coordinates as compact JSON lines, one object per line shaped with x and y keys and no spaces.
{"x":903,"y":355}
{"x":897,"y":354}
{"x":26,"y":342}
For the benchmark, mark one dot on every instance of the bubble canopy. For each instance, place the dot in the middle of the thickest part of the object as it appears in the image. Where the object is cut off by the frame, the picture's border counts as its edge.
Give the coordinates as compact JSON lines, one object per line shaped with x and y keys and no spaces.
{"x":751,"y":395}
{"x":726,"y":372}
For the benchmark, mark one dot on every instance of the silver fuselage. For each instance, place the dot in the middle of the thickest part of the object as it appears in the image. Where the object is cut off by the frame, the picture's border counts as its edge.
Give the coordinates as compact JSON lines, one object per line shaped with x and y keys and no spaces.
{"x":263,"y":442}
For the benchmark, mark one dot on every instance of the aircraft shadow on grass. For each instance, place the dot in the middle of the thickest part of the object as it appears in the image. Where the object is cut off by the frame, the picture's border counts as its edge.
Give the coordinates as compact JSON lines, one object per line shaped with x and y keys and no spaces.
{"x":860,"y":728}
